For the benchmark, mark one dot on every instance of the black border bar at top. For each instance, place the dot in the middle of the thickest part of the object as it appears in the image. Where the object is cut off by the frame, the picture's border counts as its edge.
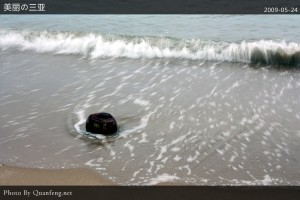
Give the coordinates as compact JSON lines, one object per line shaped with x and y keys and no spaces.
{"x":150,"y":7}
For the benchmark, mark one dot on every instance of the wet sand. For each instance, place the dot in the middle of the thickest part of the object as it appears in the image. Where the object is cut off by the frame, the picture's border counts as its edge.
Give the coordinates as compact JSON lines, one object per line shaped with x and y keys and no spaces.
{"x":29,"y":176}
{"x":180,"y":121}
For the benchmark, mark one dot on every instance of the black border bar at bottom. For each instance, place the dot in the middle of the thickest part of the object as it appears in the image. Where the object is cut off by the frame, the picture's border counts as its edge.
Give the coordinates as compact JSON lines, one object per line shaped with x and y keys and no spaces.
{"x":150,"y":192}
{"x":150,"y":7}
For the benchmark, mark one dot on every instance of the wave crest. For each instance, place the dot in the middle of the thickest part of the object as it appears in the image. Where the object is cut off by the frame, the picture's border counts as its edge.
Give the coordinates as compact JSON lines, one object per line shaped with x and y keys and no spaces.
{"x":95,"y":46}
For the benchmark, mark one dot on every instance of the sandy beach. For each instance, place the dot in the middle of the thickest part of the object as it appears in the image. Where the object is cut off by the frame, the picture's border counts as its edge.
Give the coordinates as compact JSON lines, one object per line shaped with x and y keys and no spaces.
{"x":191,"y":110}
{"x":20,"y":176}
{"x":28,"y":176}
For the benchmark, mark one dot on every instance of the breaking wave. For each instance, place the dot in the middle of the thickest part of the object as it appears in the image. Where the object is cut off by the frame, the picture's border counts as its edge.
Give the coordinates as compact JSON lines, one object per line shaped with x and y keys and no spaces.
{"x":93,"y":46}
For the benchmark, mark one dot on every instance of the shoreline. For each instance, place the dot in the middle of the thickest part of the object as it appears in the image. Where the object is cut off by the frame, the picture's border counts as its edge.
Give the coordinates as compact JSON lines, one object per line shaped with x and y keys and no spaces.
{"x":222,"y":124}
{"x":10,"y":175}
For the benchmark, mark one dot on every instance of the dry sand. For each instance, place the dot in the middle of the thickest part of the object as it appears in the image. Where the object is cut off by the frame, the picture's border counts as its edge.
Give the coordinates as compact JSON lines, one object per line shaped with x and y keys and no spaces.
{"x":24,"y":176}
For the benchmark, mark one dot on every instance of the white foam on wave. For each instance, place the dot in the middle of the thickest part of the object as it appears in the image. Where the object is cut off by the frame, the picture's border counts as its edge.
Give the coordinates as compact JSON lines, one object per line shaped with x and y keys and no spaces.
{"x":94,"y":46}
{"x":162,"y":178}
{"x":141,"y":102}
{"x":163,"y":150}
{"x":143,"y":123}
{"x":81,"y":116}
{"x":267,"y":180}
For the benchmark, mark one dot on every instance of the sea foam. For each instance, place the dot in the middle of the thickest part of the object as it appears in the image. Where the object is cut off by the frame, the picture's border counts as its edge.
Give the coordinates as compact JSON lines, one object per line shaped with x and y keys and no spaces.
{"x":93,"y":46}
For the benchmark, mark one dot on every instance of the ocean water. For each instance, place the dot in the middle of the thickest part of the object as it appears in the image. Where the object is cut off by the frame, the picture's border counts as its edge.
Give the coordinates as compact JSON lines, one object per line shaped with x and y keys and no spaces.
{"x":199,"y":99}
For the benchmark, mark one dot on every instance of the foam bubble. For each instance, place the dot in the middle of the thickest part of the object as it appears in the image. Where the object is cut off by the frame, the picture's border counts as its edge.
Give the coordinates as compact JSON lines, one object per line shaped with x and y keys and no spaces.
{"x":163,"y":178}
